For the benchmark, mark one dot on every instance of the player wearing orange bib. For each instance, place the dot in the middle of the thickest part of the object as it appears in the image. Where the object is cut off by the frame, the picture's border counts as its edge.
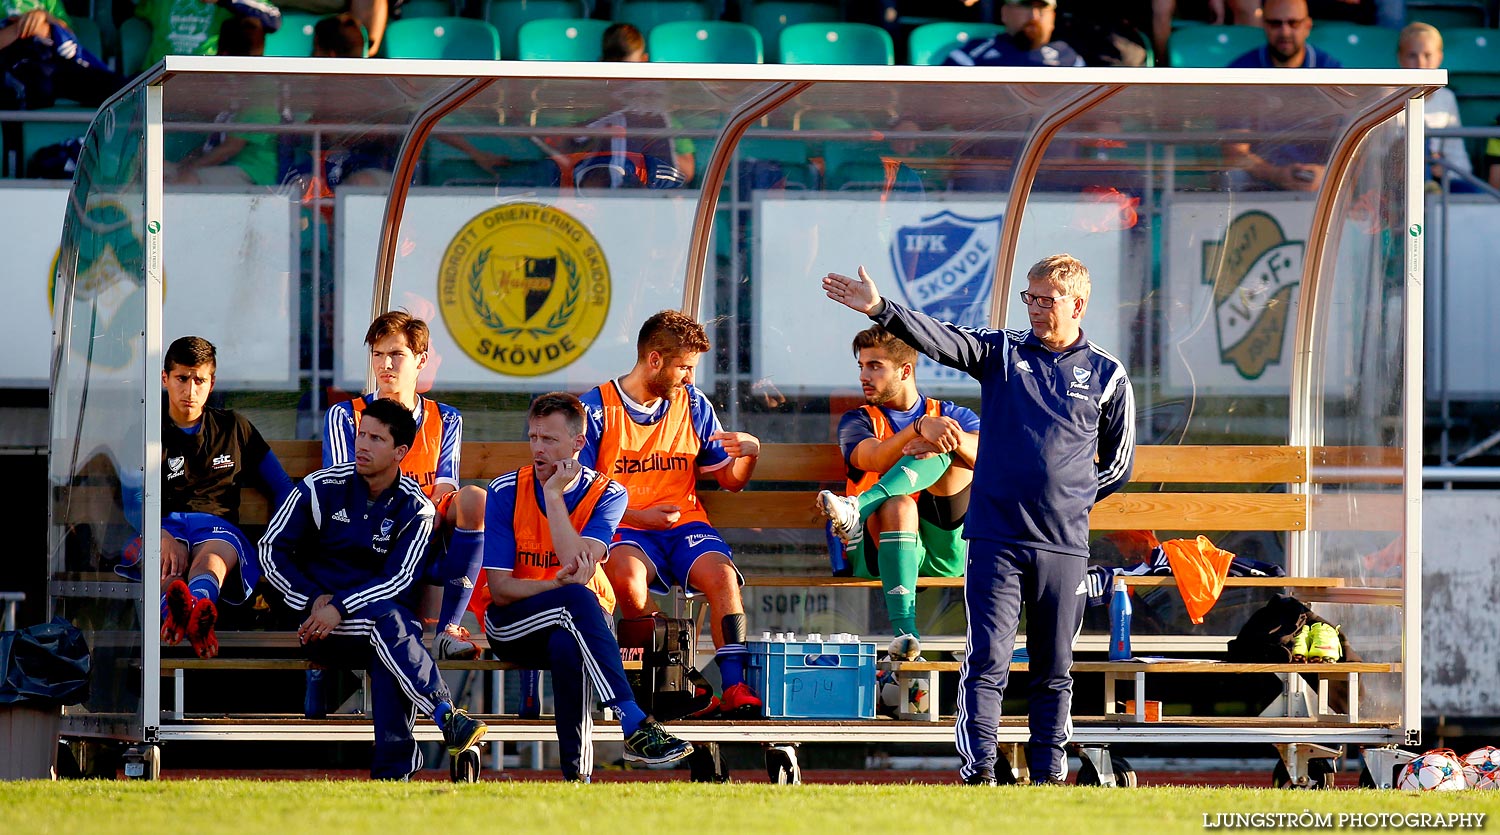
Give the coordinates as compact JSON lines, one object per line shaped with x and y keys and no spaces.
{"x":398,"y":351}
{"x":549,"y":527}
{"x":910,"y":464}
{"x":653,"y":431}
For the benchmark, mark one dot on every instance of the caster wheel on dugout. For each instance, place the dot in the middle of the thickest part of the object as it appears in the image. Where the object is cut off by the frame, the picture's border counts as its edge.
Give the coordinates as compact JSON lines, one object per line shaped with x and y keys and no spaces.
{"x":1320,"y":775}
{"x":782,"y":766}
{"x":142,"y":762}
{"x":465,"y":767}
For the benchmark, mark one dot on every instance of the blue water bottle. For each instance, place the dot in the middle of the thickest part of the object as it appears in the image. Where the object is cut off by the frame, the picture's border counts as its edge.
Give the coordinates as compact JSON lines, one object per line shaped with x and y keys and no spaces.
{"x":1119,"y":622}
{"x":531,"y":694}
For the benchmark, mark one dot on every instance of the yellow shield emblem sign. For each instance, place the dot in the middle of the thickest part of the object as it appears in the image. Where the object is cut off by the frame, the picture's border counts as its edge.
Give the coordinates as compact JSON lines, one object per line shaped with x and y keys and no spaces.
{"x":1255,"y":272}
{"x":524,"y":289}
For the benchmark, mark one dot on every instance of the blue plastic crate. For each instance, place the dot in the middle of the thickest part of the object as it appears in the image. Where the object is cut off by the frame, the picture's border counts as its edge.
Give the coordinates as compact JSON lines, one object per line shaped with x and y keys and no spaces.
{"x":805,"y":680}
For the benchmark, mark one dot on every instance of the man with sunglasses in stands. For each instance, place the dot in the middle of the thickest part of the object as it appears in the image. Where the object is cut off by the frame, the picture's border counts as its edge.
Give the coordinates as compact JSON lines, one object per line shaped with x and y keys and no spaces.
{"x":1057,"y":434}
{"x":1285,"y":165}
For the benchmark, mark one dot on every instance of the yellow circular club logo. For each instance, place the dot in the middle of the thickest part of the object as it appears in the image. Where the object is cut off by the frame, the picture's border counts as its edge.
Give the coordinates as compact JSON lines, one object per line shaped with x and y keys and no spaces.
{"x":524,"y":289}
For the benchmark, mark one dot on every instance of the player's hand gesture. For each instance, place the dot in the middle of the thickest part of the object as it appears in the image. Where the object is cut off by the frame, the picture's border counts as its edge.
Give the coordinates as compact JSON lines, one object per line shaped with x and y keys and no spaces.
{"x":174,"y":556}
{"x":941,"y":431}
{"x":562,"y":475}
{"x":657,"y":517}
{"x":738,"y":444}
{"x":576,"y":570}
{"x":321,"y":622}
{"x":857,"y":294}
{"x":920,"y":448}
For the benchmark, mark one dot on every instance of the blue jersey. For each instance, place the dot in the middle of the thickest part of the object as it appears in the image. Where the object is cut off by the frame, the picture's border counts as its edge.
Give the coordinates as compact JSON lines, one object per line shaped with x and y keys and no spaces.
{"x":855,"y":426}
{"x":500,"y":508}
{"x":433,"y":457}
{"x":711,"y":456}
{"x":332,"y":537}
{"x":1003,"y":51}
{"x":1047,"y":416}
{"x":1312,"y":59}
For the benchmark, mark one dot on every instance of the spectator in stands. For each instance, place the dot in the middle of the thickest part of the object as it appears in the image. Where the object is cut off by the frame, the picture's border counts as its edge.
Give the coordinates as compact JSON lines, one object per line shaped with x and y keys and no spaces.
{"x":1290,"y":166}
{"x":1287,"y":24}
{"x":1421,"y":48}
{"x":1027,"y":40}
{"x":1116,"y":33}
{"x":345,"y":549}
{"x":42,"y":61}
{"x":373,"y":15}
{"x":627,"y":158}
{"x":364,"y":160}
{"x":624,"y":42}
{"x":192,"y":27}
{"x":235,"y":159}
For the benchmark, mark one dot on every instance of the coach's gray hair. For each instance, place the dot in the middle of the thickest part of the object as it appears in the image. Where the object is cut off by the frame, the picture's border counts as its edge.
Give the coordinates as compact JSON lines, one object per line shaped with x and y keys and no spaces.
{"x":1067,"y":272}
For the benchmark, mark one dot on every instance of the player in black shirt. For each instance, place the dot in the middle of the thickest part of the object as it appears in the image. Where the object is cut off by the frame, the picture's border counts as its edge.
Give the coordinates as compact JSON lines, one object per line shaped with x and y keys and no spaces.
{"x":208,"y":456}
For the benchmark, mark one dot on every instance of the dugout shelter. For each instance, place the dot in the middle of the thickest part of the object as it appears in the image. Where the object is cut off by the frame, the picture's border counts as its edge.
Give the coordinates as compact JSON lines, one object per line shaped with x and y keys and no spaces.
{"x":1251,"y":316}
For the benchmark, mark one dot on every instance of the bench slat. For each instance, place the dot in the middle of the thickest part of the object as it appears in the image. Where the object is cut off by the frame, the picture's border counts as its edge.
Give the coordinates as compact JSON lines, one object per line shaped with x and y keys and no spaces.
{"x":1220,"y":464}
{"x":1200,"y":512}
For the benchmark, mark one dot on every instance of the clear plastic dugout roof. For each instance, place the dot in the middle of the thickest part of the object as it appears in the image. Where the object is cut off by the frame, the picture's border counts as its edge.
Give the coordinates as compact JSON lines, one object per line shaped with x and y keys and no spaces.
{"x":1250,"y":235}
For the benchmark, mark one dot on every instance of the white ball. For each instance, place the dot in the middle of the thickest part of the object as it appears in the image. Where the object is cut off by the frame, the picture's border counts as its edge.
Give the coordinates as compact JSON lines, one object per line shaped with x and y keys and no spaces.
{"x":1482,"y":764}
{"x":1435,"y":771}
{"x":905,"y":647}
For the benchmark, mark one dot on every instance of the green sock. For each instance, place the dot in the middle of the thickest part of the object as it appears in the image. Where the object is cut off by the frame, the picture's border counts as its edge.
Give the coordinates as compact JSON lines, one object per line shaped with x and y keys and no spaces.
{"x":898,"y":579}
{"x":907,"y":476}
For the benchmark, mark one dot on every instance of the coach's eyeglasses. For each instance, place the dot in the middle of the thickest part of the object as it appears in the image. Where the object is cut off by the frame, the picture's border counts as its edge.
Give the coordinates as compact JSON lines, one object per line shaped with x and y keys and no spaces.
{"x":1043,"y":302}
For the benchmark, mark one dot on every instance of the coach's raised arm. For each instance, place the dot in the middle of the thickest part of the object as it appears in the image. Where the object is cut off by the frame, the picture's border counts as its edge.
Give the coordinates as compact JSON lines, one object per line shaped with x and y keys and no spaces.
{"x":1057,"y":433}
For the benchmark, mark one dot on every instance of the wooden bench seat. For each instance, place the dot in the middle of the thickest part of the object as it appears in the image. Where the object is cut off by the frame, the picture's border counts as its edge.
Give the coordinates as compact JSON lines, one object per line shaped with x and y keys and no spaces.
{"x":1221,"y":488}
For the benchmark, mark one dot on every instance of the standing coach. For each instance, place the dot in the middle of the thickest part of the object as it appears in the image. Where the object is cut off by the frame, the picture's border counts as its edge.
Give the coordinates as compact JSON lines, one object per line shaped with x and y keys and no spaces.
{"x":1057,"y":434}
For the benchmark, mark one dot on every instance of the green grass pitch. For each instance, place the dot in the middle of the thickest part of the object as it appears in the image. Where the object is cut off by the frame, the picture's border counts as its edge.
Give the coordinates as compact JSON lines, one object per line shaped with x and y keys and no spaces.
{"x":200,"y":807}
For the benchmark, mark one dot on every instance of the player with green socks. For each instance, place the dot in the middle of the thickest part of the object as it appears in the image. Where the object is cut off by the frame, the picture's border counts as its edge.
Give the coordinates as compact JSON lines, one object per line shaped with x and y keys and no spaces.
{"x":910,"y":463}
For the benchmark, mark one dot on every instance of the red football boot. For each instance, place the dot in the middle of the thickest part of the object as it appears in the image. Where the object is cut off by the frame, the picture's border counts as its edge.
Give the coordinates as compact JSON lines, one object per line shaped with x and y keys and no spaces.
{"x":740,"y":702}
{"x":179,"y":612}
{"x":200,"y":629}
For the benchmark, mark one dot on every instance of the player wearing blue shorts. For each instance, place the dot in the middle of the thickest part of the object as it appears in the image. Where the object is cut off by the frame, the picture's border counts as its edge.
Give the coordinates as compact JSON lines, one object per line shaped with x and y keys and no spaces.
{"x":653,"y":431}
{"x":550,"y":525}
{"x":910,"y":464}
{"x":346,"y":549}
{"x":399,"y":344}
{"x":208,"y":456}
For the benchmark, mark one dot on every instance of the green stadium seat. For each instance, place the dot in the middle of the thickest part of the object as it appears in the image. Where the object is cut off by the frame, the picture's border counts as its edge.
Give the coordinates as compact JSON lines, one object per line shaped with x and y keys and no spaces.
{"x":38,"y":135}
{"x":1472,"y":58}
{"x":1360,"y":47}
{"x":930,"y":43}
{"x":646,"y":15}
{"x":135,"y":39}
{"x":836,"y":43}
{"x":705,"y":42}
{"x":426,"y":8}
{"x":293,"y":40}
{"x":1448,"y":14}
{"x":442,"y":37}
{"x":770,"y":18}
{"x":510,"y":15}
{"x":1213,"y":46}
{"x":561,"y":39}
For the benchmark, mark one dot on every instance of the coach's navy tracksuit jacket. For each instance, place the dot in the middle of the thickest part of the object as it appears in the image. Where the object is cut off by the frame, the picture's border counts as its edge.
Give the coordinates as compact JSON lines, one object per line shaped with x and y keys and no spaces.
{"x":1044,"y":418}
